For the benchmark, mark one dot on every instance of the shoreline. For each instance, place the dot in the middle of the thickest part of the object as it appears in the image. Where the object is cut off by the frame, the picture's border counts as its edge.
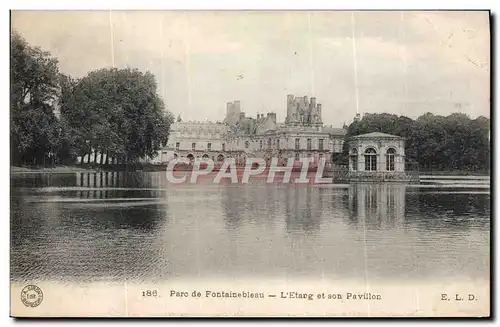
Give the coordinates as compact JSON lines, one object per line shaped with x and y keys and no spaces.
{"x":55,"y":170}
{"x":153,"y":168}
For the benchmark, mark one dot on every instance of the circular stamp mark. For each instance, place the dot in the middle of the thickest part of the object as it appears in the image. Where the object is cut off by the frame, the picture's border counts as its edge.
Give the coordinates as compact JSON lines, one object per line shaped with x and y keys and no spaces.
{"x":32,"y":296}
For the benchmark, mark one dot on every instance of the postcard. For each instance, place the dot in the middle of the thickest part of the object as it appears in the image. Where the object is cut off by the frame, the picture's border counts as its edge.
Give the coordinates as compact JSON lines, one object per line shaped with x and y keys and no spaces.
{"x":224,"y":163}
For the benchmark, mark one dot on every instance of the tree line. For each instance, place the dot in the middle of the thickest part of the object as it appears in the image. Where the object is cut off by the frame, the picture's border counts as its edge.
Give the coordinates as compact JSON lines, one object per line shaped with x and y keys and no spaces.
{"x":434,"y":142}
{"x":109,"y":116}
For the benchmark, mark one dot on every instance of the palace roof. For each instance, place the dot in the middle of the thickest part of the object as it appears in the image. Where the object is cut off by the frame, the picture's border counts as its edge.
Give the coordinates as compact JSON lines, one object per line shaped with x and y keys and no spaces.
{"x":376,"y":135}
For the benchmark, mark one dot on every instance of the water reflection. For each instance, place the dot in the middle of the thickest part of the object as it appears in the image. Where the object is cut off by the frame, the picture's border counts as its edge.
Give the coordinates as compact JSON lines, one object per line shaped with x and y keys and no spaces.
{"x":115,"y":226}
{"x":377,"y":206}
{"x":304,"y":209}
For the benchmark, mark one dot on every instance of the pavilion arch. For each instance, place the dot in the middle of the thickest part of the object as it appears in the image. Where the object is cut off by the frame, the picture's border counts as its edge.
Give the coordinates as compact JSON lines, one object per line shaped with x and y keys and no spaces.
{"x":220,"y":157}
{"x":390,"y":159}
{"x":205,"y":156}
{"x":370,"y":155}
{"x":190,"y":156}
{"x":370,"y":150}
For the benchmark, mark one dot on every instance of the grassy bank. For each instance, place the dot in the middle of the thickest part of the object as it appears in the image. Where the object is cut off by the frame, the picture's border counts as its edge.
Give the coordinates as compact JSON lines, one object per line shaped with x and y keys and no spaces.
{"x":56,"y":170}
{"x":160,"y":167}
{"x":455,"y":172}
{"x":85,"y":168}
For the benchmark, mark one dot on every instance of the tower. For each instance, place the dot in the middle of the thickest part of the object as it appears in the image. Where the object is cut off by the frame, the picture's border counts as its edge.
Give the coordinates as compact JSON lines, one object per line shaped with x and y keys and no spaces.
{"x":233,"y":112}
{"x":290,"y":108}
{"x":303,"y":111}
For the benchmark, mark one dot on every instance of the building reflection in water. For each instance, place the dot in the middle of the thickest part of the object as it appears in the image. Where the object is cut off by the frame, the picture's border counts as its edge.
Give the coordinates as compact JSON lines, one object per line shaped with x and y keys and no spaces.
{"x":377,"y":205}
{"x":304,"y":209}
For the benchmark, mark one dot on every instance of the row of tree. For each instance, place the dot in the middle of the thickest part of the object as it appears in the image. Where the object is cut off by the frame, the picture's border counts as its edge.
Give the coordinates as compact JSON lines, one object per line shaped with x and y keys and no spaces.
{"x":114,"y":115}
{"x":455,"y":142}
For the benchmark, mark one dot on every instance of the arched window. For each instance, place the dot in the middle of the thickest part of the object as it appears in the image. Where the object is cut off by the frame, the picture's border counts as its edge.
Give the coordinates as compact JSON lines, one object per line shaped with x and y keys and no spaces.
{"x":370,"y":159}
{"x":354,"y":159}
{"x":390,"y":155}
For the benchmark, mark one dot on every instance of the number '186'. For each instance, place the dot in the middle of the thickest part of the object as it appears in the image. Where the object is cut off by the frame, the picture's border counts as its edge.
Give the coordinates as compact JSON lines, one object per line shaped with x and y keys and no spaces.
{"x":150,"y":293}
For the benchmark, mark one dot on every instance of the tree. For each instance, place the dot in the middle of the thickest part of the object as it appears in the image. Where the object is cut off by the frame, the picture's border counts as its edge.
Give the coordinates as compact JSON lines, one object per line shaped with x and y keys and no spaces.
{"x":33,"y":95}
{"x":118,"y":112}
{"x":455,"y":142}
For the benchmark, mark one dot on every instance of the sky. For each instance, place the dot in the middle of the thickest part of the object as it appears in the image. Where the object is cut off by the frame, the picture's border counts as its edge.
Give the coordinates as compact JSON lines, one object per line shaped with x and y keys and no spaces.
{"x":405,"y":63}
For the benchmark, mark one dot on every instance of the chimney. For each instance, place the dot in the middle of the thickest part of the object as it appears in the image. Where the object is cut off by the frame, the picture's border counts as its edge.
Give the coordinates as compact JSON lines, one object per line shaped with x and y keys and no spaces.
{"x":242,"y":115}
{"x":313,"y":102}
{"x":305,"y":100}
{"x":229,"y":113}
{"x":236,"y":106}
{"x":272,"y":115}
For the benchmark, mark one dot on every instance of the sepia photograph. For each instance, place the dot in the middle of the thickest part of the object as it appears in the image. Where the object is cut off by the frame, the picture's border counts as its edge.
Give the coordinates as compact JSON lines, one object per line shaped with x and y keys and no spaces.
{"x":250,"y":163}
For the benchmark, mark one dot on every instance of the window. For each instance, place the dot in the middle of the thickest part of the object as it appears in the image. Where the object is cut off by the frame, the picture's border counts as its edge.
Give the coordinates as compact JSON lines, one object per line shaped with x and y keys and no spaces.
{"x":297,"y":144}
{"x":370,"y":159}
{"x":269,"y":144}
{"x":297,"y":156}
{"x":223,"y":146}
{"x":354,"y":159}
{"x":308,"y":144}
{"x":247,"y":144}
{"x":193,"y":146}
{"x":278,"y":144}
{"x":320,"y":144}
{"x":177,"y":146}
{"x":209,"y":146}
{"x":260,"y":143}
{"x":390,"y":156}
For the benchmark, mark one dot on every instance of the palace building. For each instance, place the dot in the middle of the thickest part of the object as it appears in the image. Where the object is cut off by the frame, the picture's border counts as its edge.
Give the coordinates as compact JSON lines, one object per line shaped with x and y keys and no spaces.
{"x":302,"y":134}
{"x":378,"y":157}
